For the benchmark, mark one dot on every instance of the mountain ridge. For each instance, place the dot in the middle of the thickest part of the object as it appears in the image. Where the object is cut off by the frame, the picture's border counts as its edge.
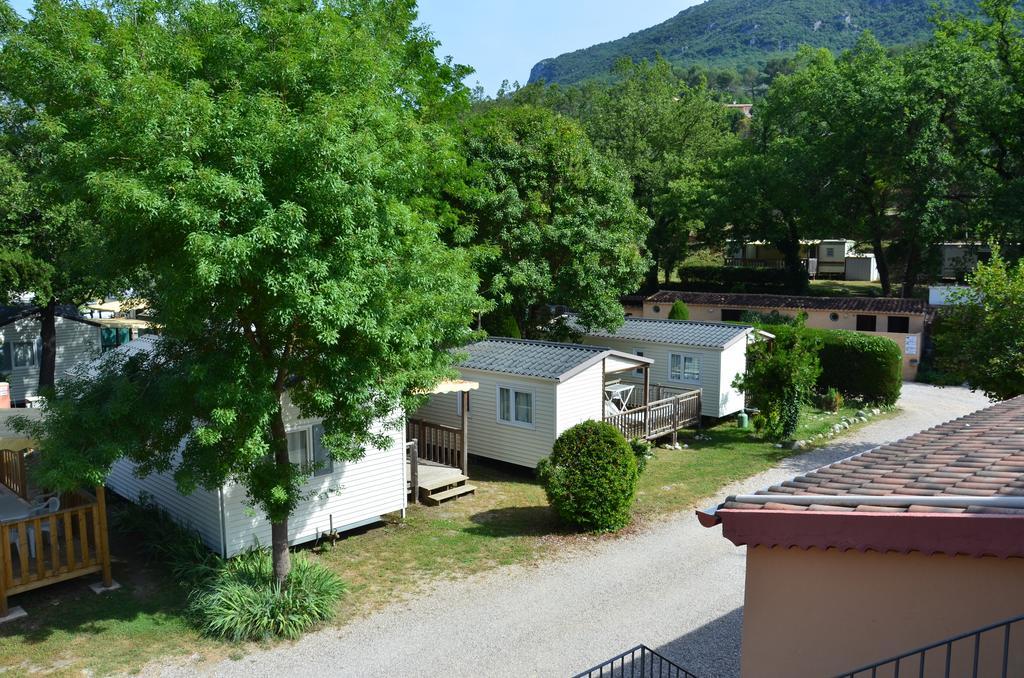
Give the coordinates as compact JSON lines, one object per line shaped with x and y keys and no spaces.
{"x":732,"y":33}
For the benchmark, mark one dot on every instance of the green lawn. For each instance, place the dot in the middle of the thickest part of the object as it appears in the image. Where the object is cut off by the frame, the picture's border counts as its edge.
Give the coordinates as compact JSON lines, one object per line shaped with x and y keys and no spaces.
{"x":508,"y":521}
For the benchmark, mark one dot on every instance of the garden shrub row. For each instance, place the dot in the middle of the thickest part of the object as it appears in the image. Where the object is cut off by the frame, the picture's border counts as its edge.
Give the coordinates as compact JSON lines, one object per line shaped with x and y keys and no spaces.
{"x":859,"y":366}
{"x":734,"y":279}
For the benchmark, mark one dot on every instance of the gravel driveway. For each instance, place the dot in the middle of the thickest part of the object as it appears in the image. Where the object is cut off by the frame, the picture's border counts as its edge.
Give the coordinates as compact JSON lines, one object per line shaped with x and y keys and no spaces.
{"x":676,"y":587}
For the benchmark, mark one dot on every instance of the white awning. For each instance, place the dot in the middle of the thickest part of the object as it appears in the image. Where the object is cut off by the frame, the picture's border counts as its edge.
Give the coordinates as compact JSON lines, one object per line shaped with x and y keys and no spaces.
{"x":455,"y":386}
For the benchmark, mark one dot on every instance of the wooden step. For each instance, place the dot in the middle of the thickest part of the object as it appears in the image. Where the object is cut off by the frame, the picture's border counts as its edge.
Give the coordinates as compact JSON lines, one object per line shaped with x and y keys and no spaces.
{"x":438,"y":497}
{"x":437,"y":483}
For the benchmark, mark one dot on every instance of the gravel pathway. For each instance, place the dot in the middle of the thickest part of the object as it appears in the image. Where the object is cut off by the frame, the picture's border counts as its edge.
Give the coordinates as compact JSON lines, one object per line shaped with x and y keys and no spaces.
{"x":676,"y":587}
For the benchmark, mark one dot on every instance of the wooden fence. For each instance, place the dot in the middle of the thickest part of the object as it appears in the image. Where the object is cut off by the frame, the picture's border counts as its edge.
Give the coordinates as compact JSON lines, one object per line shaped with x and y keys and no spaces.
{"x":437,"y":443}
{"x":660,"y":417}
{"x":12,"y":471}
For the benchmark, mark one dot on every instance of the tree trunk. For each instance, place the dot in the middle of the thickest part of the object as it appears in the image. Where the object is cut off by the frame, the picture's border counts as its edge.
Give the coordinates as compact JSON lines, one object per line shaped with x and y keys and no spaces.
{"x":48,"y":358}
{"x":883,"y":265}
{"x":790,"y":248}
{"x":913,"y":266}
{"x":280,"y":555}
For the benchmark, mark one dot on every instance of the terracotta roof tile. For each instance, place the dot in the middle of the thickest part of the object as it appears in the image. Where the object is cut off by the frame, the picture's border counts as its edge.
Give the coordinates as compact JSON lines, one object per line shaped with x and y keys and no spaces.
{"x":776,"y":301}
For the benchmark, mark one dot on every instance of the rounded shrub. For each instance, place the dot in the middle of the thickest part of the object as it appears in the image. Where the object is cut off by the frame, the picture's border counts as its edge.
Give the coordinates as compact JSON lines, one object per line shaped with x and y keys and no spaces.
{"x":861,"y":366}
{"x":590,"y":477}
{"x":679,"y":311}
{"x":243,"y":601}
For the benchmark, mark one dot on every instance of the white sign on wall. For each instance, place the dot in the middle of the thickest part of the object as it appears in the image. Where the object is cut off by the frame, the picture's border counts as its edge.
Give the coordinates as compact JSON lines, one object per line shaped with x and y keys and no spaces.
{"x":910,"y":345}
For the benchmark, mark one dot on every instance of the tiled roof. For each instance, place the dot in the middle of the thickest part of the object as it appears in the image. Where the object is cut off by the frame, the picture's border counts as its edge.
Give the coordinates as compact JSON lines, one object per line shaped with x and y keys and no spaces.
{"x":770,"y":301}
{"x":957,"y":488}
{"x":979,"y":455}
{"x":9,"y":314}
{"x":682,"y":332}
{"x":540,"y":359}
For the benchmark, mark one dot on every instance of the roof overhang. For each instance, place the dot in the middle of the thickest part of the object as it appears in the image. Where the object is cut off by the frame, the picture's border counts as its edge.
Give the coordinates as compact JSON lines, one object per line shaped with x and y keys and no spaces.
{"x":971,"y":534}
{"x":118,"y":323}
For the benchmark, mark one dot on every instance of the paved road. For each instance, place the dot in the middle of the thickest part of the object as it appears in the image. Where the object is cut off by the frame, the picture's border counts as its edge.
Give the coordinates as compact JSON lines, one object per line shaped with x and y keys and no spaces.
{"x":677,"y":587}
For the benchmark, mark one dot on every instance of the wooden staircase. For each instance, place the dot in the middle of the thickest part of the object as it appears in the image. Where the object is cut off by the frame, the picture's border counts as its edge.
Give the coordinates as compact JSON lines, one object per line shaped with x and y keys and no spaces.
{"x":433,"y":492}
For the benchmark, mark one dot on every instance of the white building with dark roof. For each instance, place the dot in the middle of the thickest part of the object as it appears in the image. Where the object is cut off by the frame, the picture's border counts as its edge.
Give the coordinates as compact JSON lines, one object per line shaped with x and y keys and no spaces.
{"x":686,"y":354}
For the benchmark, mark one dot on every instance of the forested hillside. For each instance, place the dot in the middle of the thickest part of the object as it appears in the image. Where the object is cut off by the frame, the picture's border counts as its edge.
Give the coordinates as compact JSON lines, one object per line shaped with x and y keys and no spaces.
{"x":746,"y":33}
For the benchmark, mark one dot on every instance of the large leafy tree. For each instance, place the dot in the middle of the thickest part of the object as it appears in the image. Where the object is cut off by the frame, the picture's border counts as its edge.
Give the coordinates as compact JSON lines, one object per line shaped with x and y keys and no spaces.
{"x":260,"y":168}
{"x":45,"y":113}
{"x":549,"y":219}
{"x":977,"y":338}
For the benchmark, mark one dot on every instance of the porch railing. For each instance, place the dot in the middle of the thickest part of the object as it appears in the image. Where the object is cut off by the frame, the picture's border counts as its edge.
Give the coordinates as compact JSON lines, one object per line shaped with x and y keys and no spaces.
{"x":660,"y":417}
{"x":437,"y":443}
{"x":62,"y":545}
{"x":992,"y":650}
{"x":640,"y":662}
{"x":12,"y":471}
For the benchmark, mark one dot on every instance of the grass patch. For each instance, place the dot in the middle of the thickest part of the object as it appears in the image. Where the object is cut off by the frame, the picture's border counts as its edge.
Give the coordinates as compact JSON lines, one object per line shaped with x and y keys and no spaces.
{"x":508,"y":521}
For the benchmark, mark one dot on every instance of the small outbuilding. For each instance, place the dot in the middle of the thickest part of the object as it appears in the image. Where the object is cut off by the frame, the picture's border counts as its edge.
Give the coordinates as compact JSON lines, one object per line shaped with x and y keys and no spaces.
{"x":532,"y":391}
{"x":687,"y":355}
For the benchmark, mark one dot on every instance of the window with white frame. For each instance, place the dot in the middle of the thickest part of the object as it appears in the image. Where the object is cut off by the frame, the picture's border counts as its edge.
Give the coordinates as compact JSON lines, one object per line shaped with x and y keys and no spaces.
{"x":640,"y":354}
{"x":306,"y":448}
{"x":24,"y":354}
{"x":515,"y":406}
{"x":684,"y":367}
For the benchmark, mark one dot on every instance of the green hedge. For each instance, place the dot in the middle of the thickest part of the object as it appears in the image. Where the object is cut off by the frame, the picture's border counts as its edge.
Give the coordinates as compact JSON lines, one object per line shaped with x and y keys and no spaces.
{"x":862,"y":366}
{"x":590,"y":477}
{"x":734,"y":279}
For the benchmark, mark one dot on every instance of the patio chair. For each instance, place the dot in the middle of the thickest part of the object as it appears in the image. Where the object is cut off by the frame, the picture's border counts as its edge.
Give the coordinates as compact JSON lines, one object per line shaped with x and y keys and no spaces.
{"x":45,"y":508}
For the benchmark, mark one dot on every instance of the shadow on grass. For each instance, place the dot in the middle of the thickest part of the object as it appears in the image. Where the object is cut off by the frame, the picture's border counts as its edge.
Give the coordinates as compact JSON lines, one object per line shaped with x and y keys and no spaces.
{"x":516,"y":521}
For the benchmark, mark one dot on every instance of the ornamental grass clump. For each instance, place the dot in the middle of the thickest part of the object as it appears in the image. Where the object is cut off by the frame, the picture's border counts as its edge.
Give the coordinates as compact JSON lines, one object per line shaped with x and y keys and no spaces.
{"x":244,"y":602}
{"x":591,"y":476}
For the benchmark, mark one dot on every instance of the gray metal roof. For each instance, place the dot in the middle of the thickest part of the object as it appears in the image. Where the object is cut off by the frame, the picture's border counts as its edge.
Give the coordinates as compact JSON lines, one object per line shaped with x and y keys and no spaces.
{"x":538,"y":359}
{"x":682,"y":332}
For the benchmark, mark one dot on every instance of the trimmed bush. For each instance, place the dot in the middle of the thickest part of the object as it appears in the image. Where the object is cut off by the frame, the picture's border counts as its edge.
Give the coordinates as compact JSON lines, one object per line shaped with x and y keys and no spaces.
{"x":590,"y":477}
{"x":861,"y":366}
{"x":679,"y":311}
{"x":734,"y":279}
{"x":243,"y":602}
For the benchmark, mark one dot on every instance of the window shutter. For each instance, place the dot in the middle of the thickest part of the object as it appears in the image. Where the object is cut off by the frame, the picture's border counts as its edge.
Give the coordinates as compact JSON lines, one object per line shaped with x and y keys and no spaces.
{"x":321,"y":458}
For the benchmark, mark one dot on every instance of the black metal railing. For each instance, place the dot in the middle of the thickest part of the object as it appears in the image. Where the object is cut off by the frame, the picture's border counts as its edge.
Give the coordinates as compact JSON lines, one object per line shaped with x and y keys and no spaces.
{"x":987,"y":651}
{"x":640,"y":662}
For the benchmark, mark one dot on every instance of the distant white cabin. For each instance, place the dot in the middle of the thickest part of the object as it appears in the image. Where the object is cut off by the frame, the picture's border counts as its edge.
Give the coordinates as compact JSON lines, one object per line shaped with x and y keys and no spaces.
{"x":686,"y":354}
{"x":79,"y":340}
{"x":343,"y":495}
{"x":529,"y":393}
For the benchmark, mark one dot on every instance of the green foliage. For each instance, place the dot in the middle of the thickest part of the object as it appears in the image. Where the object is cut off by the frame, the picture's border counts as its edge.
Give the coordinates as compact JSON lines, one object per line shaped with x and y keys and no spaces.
{"x":978,"y":338}
{"x":781,"y":375}
{"x":736,"y":35}
{"x":773,"y":317}
{"x":831,"y":400}
{"x":736,"y":279}
{"x":591,"y":476}
{"x":547,"y":218}
{"x":644,"y":452}
{"x":263,"y":174}
{"x":679,"y":311}
{"x":244,"y":602}
{"x":860,"y":366}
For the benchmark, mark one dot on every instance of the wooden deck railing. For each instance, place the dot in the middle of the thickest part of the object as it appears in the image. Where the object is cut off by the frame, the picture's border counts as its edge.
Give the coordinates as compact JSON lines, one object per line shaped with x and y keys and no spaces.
{"x":69,"y":543}
{"x":437,"y":443}
{"x":12,"y":471}
{"x":660,"y":417}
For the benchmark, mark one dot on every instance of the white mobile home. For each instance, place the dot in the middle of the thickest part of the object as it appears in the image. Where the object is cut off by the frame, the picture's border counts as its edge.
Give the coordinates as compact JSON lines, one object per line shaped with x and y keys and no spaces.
{"x":529,"y":393}
{"x":79,"y":340}
{"x":686,"y":354}
{"x":343,"y":495}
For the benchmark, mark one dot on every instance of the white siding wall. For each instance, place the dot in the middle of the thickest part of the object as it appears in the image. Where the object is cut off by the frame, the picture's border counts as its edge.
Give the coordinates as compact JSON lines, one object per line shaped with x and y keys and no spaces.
{"x":354,"y":494}
{"x":580,"y":398}
{"x":487,"y":436}
{"x":77,"y":343}
{"x":718,"y":398}
{"x":733,"y":364}
{"x":199,"y":511}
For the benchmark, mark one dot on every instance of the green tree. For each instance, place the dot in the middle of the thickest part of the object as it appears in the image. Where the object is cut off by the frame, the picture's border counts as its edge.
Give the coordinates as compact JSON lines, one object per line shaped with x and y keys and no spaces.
{"x":679,"y":311}
{"x":549,"y":219}
{"x":46,"y":110}
{"x":781,"y":374}
{"x":260,"y":169}
{"x":977,"y":337}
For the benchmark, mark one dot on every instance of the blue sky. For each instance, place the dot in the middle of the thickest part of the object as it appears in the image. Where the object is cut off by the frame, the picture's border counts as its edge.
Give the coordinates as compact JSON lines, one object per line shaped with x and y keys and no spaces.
{"x":503,"y":39}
